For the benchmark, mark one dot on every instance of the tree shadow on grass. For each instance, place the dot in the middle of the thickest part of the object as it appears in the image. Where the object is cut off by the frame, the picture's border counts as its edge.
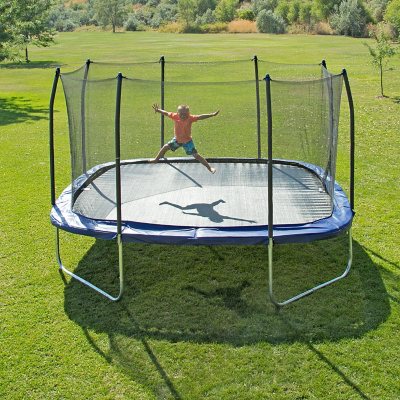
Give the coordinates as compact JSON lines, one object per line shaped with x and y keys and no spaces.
{"x":31,"y":65}
{"x":209,"y":295}
{"x":19,"y":109}
{"x":396,"y":99}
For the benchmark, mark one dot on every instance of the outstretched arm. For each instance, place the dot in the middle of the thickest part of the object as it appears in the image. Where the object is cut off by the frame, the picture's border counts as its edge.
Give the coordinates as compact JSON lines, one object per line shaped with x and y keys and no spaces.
{"x":205,"y":116}
{"x":159,"y":110}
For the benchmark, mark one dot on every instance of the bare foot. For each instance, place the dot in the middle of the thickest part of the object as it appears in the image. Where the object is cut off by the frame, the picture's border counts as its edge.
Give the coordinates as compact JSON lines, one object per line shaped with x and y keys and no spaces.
{"x":213,"y":170}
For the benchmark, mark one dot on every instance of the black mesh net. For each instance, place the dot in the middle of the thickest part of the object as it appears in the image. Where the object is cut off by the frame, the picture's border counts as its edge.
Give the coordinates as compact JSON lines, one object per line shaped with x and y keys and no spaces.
{"x":290,"y":72}
{"x":305,"y":112}
{"x":305,"y":118}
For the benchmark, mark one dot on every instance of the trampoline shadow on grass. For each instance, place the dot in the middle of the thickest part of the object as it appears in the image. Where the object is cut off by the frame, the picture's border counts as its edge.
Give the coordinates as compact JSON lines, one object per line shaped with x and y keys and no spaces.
{"x":219,"y":294}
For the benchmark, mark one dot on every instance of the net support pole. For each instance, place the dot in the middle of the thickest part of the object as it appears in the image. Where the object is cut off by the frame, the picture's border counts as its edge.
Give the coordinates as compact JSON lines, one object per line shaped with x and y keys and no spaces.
{"x":83,"y":115}
{"x":352,"y":136}
{"x":255,"y":59}
{"x":270,"y":188}
{"x":51,"y":137}
{"x":280,"y":304}
{"x":270,"y":159}
{"x":119,"y":214}
{"x":118,"y":153}
{"x":162,"y":62}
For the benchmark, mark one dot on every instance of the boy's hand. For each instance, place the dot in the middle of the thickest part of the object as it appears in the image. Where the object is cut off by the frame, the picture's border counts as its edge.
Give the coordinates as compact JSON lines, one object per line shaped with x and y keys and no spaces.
{"x":155,"y":107}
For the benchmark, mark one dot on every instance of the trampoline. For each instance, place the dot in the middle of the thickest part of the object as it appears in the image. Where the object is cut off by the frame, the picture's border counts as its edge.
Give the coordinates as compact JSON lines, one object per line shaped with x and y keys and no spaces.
{"x":249,"y":201}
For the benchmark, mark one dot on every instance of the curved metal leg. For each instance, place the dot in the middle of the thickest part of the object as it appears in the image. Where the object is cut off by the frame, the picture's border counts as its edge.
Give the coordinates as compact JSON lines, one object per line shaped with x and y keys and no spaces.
{"x":87,"y":283}
{"x":309,"y":291}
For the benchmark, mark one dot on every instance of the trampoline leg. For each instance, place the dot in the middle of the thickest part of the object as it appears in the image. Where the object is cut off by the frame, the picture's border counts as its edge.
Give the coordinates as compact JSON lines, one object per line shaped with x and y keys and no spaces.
{"x":309,"y":291}
{"x":87,"y":283}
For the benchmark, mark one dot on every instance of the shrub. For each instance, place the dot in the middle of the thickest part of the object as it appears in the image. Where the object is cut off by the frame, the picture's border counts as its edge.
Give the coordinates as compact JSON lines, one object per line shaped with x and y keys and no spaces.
{"x":207,"y":18}
{"x":214,"y":28}
{"x":268,"y":22}
{"x":204,"y":5}
{"x":226,"y":10}
{"x":65,"y":25}
{"x":267,"y":5}
{"x":392,"y":14}
{"x":386,"y":28}
{"x":132,"y":23}
{"x":293,"y":12}
{"x":298,"y":28}
{"x":282,"y":10}
{"x":377,"y":9}
{"x":305,"y":13}
{"x":173,"y":27}
{"x":242,"y":26}
{"x":350,"y":18}
{"x":322,"y":28}
{"x":192,"y":28}
{"x":246,"y":14}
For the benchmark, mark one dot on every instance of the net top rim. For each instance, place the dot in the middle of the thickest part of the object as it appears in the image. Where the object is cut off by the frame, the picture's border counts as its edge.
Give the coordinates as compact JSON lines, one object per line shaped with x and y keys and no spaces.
{"x":173,"y":82}
{"x":188,"y":62}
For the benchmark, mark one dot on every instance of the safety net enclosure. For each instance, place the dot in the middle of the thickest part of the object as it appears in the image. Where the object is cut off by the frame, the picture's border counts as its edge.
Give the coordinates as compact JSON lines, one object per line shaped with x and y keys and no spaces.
{"x":273,"y":144}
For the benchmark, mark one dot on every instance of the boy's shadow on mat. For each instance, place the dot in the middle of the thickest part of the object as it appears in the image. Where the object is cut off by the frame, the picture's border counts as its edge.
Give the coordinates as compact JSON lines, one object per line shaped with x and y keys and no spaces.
{"x":219,"y":294}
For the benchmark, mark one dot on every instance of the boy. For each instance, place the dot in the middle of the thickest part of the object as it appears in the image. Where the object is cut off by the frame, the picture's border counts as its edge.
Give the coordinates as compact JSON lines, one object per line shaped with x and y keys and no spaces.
{"x":183,"y":133}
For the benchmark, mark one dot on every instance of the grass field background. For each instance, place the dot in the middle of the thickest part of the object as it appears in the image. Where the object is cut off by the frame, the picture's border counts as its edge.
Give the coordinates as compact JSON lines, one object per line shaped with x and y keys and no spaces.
{"x":195,"y":322}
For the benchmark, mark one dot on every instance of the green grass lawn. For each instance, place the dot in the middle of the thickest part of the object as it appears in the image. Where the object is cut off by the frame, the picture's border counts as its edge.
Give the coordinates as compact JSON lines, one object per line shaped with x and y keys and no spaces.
{"x":196,"y":322}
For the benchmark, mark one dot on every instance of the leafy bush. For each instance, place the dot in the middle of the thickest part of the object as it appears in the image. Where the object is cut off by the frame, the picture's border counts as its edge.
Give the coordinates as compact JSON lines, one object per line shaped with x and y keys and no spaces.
{"x":268,"y":22}
{"x":305,"y":13}
{"x":173,"y":27}
{"x":322,"y":28}
{"x":282,"y":10}
{"x":392,"y":14}
{"x":293,"y":14}
{"x":377,"y":8}
{"x":66,"y":19}
{"x":246,"y":14}
{"x":204,"y":5}
{"x":65,"y":25}
{"x":132,"y":23}
{"x":322,"y":9}
{"x":144,"y":15}
{"x":226,"y":10}
{"x":207,"y":18}
{"x":267,"y":5}
{"x":350,"y":18}
{"x":214,"y":28}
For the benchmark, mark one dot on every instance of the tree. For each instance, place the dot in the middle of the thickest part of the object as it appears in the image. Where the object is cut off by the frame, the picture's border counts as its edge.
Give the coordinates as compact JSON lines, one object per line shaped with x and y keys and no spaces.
{"x":350,"y":18}
{"x":293,"y":14}
{"x":187,"y":11}
{"x":226,"y":10}
{"x":322,"y":9}
{"x":26,"y":22}
{"x":268,"y":22}
{"x":204,"y":5}
{"x":377,"y":8}
{"x":267,"y":5}
{"x":305,"y":13}
{"x":111,"y":12}
{"x":4,"y":40}
{"x":392,"y":14}
{"x":382,"y":51}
